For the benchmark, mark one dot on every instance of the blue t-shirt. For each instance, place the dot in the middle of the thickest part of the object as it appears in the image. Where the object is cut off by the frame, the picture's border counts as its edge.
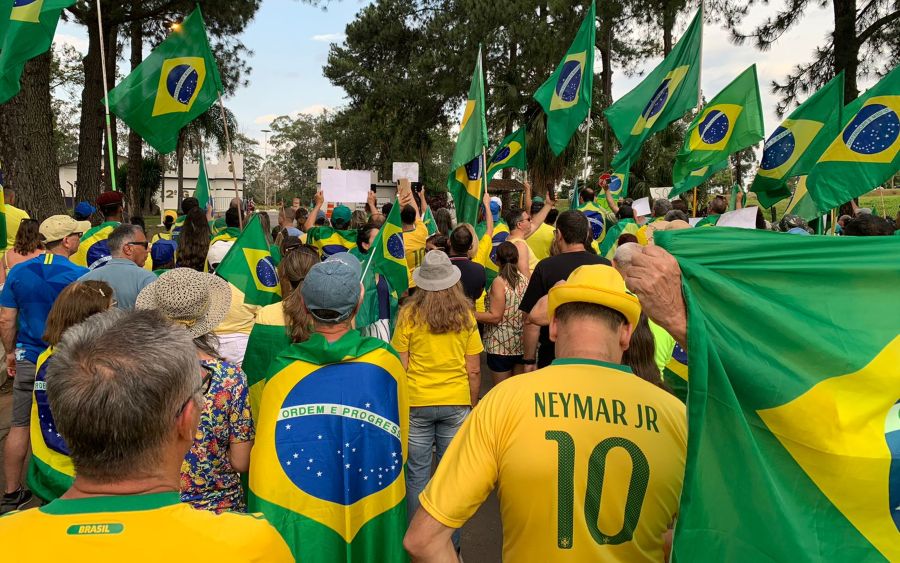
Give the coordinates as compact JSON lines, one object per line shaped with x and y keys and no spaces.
{"x":32,"y":287}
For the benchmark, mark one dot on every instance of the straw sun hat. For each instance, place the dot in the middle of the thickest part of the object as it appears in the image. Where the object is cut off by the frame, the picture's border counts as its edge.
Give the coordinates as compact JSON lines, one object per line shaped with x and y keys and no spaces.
{"x":197,"y":301}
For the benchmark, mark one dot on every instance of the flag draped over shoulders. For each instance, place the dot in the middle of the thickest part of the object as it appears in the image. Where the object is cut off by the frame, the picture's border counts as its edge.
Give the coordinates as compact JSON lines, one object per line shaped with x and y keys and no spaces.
{"x":50,"y":469}
{"x":793,"y":410}
{"x":327,"y":465}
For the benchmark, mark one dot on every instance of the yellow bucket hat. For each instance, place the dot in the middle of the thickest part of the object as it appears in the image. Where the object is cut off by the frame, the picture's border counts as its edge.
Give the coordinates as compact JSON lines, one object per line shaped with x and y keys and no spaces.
{"x":598,"y":284}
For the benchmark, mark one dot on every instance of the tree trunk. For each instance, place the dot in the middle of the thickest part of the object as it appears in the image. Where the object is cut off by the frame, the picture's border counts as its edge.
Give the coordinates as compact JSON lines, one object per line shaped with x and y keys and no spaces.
{"x":135,"y":143}
{"x":846,"y":46}
{"x":90,"y":133}
{"x":668,"y":23}
{"x":29,"y":159}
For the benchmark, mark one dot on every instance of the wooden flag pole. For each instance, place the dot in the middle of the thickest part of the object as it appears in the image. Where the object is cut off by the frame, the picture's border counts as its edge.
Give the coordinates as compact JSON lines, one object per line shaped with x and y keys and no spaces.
{"x":587,"y":146}
{"x":109,"y":143}
{"x":883,"y":208}
{"x":695,"y":202}
{"x":834,"y":222}
{"x":237,"y":193}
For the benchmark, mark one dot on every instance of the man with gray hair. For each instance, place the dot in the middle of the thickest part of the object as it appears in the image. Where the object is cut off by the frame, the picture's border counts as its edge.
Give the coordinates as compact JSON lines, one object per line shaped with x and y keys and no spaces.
{"x":661,"y":206}
{"x":324,"y":480}
{"x":128,"y":415}
{"x":125,"y":271}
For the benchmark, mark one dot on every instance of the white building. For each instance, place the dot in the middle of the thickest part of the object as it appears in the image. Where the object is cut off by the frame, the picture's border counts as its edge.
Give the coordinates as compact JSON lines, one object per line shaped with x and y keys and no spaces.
{"x":221,"y":182}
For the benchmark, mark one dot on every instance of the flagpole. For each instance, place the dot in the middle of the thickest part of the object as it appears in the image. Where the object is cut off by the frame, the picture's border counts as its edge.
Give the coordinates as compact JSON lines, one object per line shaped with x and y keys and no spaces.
{"x":231,"y":162}
{"x":587,"y":146}
{"x":109,"y":143}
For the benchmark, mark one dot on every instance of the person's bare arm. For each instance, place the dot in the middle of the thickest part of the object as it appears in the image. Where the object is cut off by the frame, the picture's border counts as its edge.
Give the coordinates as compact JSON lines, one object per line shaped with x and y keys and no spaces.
{"x":538,"y":219}
{"x":538,"y":315}
{"x":473,"y":368}
{"x":613,"y":206}
{"x":371,"y":203}
{"x":239,"y":455}
{"x":311,"y":219}
{"x":8,"y":336}
{"x":498,"y":304}
{"x":655,"y":277}
{"x":429,"y":541}
{"x":530,"y":336}
{"x":423,"y":204}
{"x":488,"y":216}
{"x":404,"y":359}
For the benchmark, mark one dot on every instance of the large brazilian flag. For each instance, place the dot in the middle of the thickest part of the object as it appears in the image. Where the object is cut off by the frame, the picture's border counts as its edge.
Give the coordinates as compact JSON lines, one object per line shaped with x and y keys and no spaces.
{"x":466,"y":180}
{"x":176,"y":83}
{"x":794,"y":432}
{"x":93,"y":252}
{"x":327,"y":468}
{"x":269,"y":336}
{"x":248,"y":266}
{"x":50,"y":470}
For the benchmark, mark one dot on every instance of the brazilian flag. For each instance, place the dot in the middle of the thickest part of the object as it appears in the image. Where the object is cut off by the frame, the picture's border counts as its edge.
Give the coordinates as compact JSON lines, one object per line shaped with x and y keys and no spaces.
{"x":27,"y":28}
{"x":510,"y":154}
{"x":268,"y":338}
{"x":428,"y":219}
{"x":730,"y":122}
{"x":93,"y":252}
{"x":675,"y":374}
{"x":228,"y":234}
{"x":867,"y":150}
{"x":566,"y":95}
{"x":486,"y":255}
{"x":801,"y":204}
{"x":793,"y":148}
{"x":248,"y":266}
{"x":328,"y":240}
{"x":175,"y":84}
{"x":697,"y":177}
{"x":50,"y":471}
{"x":610,"y":242}
{"x":387,"y":256}
{"x":202,"y":190}
{"x":327,"y":468}
{"x":466,"y":181}
{"x":618,"y":181}
{"x":596,"y":217}
{"x":669,"y":91}
{"x":793,"y":441}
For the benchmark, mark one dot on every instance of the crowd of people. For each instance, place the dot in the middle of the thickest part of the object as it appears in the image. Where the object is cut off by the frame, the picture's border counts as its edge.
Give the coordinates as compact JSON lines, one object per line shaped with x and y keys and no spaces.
{"x":145,"y":387}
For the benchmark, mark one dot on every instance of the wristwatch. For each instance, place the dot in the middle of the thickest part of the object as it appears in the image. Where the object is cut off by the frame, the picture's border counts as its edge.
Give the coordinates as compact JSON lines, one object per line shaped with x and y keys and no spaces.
{"x":530,"y":362}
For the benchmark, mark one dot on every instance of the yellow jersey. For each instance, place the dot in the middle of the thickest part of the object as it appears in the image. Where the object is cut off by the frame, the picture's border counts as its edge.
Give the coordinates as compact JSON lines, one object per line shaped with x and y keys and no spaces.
{"x":541,"y":240}
{"x":137,"y":528}
{"x":532,"y":259}
{"x":414,"y":246}
{"x":14,"y":217}
{"x":589,"y":461}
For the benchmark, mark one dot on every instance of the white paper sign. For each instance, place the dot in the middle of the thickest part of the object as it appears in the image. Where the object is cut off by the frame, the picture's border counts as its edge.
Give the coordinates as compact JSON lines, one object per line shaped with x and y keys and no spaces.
{"x":641,"y":207}
{"x":407,"y":170}
{"x":660,"y":193}
{"x":694,"y":220}
{"x":346,"y":186}
{"x":741,"y":218}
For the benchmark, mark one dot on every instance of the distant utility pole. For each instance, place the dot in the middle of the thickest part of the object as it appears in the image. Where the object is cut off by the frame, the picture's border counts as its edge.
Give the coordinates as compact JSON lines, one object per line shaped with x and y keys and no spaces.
{"x":265,"y":172}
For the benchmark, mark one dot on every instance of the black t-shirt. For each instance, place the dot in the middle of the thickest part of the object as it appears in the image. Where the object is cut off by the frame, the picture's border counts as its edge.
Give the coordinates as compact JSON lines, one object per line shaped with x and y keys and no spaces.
{"x":548,"y":273}
{"x":473,"y":277}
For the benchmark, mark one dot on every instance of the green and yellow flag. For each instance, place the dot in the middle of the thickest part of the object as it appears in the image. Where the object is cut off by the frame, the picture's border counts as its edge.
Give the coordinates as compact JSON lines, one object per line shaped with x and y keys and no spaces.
{"x":618,"y":181}
{"x":668,"y":92}
{"x":249,"y":268}
{"x":697,"y":177}
{"x":510,"y":154}
{"x":93,"y":252}
{"x":867,"y":150}
{"x":27,"y":28}
{"x":175,"y":84}
{"x":387,"y":256}
{"x":730,"y":122}
{"x":794,"y":438}
{"x":801,"y":204}
{"x":327,"y":468}
{"x":269,"y":336}
{"x":428,"y":219}
{"x":793,"y":148}
{"x":50,"y":469}
{"x":566,"y":95}
{"x":466,"y":181}
{"x":202,"y":190}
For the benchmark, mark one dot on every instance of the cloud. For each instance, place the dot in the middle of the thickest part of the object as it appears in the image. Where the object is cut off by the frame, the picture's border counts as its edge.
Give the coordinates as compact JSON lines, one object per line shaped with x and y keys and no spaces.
{"x":329,"y":37}
{"x":315,"y":109}
{"x":80,"y":43}
{"x":265,"y":119}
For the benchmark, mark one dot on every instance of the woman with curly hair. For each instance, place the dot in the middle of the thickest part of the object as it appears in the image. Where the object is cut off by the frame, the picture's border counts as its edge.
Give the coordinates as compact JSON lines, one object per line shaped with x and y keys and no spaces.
{"x":439,"y":345}
{"x":193,"y":242}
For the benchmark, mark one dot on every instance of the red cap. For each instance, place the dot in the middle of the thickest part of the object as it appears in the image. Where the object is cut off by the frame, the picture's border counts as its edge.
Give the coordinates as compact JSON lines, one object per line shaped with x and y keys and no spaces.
{"x":110,"y":198}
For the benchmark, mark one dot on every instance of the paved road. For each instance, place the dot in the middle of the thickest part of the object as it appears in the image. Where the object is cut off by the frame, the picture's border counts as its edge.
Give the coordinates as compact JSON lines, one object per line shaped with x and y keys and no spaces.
{"x":481,"y":536}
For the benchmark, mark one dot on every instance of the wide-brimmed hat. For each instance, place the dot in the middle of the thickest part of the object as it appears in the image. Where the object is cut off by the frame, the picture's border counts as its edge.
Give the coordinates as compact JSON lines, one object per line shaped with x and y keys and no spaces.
{"x":197,"y":301}
{"x":436,"y":273}
{"x":598,"y":284}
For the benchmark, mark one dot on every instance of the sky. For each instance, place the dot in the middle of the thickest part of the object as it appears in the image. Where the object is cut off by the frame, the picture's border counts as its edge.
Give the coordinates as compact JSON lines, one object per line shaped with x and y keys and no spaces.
{"x":290,"y":42}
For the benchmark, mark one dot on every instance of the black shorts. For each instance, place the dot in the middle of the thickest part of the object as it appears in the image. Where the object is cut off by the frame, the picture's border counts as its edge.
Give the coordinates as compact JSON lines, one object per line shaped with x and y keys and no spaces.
{"x":499,"y":364}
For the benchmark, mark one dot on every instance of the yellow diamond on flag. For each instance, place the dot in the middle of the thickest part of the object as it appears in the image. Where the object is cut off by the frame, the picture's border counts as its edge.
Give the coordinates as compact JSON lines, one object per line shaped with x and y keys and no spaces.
{"x":715,"y":127}
{"x":180,"y":82}
{"x":27,"y":11}
{"x":836,"y":433}
{"x":263,"y":270}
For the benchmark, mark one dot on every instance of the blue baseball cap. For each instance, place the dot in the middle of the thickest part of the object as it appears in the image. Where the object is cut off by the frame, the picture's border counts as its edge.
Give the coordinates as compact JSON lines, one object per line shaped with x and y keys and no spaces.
{"x":84,"y":210}
{"x":162,"y":252}
{"x":333,"y":285}
{"x":496,"y":207}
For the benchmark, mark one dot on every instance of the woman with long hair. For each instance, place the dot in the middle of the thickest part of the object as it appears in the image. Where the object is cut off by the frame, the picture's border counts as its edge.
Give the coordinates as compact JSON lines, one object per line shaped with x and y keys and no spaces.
{"x":641,"y":354}
{"x":193,"y":242}
{"x":279,"y":324}
{"x":438,"y":342}
{"x":50,"y":471}
{"x":27,"y":246}
{"x":503,"y":322}
{"x":443,"y":221}
{"x":210,"y":477}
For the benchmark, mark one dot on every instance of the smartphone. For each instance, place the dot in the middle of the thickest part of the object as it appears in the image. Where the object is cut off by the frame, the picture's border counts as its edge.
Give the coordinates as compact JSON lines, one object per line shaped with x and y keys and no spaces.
{"x":373,"y":187}
{"x":417,"y":187}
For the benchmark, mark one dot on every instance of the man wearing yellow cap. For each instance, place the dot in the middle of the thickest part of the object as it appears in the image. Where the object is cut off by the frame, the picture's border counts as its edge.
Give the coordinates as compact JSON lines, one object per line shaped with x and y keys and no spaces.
{"x":588,"y":458}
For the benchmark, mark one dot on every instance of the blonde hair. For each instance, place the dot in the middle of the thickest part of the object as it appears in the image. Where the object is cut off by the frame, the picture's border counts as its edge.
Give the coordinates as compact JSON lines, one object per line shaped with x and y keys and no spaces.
{"x":292,"y":271}
{"x":442,"y":312}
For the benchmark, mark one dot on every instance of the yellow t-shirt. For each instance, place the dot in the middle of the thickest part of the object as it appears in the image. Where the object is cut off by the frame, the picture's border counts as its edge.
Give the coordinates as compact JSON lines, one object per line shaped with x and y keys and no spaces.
{"x":240,"y":317}
{"x":137,"y":528}
{"x":589,"y":461}
{"x":414,"y":245}
{"x":532,"y":259}
{"x":14,"y":217}
{"x":540,"y":241}
{"x":437,"y":373}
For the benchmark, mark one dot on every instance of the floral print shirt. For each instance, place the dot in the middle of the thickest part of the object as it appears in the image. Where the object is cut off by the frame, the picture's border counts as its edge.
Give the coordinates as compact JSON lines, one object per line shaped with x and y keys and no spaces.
{"x":208,"y":481}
